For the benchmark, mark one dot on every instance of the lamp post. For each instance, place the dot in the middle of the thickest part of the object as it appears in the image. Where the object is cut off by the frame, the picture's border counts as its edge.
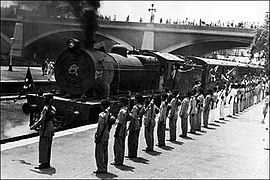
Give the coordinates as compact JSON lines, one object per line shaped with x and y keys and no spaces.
{"x":12,"y":42}
{"x":152,"y":13}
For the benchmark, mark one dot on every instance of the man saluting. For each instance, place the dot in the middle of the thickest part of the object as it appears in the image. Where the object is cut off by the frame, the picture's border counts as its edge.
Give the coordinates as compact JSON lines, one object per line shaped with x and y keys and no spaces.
{"x":102,"y":136}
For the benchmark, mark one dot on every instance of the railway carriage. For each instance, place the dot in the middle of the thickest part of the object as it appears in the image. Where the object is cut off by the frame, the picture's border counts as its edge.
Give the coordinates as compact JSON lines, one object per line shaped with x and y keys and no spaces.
{"x":215,"y":71}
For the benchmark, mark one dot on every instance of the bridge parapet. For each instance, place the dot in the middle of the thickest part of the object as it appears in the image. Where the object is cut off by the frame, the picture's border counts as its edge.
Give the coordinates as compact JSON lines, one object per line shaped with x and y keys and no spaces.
{"x":141,"y":25}
{"x":160,"y":37}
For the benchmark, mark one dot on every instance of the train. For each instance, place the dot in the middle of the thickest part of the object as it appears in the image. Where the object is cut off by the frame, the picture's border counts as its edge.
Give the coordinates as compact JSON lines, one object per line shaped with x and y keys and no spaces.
{"x":87,"y":75}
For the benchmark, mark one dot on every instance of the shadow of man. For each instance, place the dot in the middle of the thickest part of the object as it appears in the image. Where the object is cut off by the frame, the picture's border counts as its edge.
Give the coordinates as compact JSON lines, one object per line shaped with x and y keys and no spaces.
{"x":186,"y":137}
{"x":210,"y":128}
{"x":177,"y":142}
{"x":167,"y":148}
{"x":107,"y":175}
{"x":139,"y":160}
{"x":125,"y":167}
{"x":153,"y":153}
{"x":50,"y":171}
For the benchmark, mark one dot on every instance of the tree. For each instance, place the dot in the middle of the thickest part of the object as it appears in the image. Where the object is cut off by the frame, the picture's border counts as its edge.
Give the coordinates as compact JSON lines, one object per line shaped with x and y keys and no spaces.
{"x":260,"y":43}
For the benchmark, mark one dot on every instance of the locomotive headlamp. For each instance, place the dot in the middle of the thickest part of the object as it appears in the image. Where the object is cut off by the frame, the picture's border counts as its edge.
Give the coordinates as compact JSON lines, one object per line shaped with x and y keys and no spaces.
{"x":73,"y":43}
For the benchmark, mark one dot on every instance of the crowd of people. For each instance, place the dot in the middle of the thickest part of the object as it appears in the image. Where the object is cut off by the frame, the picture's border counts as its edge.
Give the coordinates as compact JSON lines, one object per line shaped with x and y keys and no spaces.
{"x":197,"y":107}
{"x":187,"y":21}
{"x":195,"y":110}
{"x":48,"y":69}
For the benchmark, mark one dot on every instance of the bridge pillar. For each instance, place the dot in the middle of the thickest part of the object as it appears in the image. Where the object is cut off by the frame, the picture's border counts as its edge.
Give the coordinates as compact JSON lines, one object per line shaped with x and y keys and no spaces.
{"x":148,"y":39}
{"x":18,"y":44}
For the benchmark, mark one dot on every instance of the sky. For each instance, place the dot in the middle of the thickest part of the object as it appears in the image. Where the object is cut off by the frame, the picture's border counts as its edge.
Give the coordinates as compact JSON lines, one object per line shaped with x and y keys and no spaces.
{"x":237,"y":11}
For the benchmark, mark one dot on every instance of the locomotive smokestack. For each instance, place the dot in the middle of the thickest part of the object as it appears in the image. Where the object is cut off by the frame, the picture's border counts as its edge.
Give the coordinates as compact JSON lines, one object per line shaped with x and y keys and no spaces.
{"x":86,"y":12}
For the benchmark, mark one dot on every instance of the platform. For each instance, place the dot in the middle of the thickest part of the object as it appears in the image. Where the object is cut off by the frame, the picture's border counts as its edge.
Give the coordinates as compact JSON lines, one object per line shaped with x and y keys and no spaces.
{"x":233,"y":148}
{"x":18,"y":74}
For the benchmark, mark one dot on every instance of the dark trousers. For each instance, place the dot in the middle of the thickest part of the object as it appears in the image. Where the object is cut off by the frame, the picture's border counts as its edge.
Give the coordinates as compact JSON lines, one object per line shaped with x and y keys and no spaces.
{"x":133,"y":140}
{"x":192,"y":119}
{"x":101,"y":155}
{"x":198,"y":120}
{"x":161,"y":133}
{"x":234,"y":108}
{"x":149,"y":138}
{"x":205,"y":118}
{"x":119,"y":150}
{"x":45,"y":146}
{"x":184,"y":125}
{"x":172,"y":126}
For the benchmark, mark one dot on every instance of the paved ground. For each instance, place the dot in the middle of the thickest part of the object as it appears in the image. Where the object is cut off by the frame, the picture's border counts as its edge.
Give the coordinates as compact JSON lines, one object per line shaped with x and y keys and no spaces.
{"x":234,"y":148}
{"x":19,"y":73}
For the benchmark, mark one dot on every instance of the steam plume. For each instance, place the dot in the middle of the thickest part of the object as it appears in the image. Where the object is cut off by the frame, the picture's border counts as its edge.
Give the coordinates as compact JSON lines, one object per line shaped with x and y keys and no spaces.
{"x":86,"y":11}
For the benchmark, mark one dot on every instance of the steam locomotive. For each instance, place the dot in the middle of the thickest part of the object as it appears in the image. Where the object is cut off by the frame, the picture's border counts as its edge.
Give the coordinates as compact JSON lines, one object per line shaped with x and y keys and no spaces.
{"x":98,"y":74}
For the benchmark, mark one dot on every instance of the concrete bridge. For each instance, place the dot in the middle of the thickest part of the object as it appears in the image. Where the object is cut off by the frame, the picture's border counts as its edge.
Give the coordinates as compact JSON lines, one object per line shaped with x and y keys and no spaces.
{"x":47,"y":39}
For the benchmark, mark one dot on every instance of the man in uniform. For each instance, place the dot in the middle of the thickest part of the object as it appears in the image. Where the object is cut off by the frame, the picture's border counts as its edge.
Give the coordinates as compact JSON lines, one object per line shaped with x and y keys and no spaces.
{"x":135,"y":126}
{"x":200,"y":100}
{"x":206,"y":107}
{"x":46,"y":132}
{"x":121,"y":132}
{"x":173,"y":115}
{"x":213,"y":106}
{"x":149,"y":122}
{"x":102,"y":137}
{"x":162,"y":120}
{"x":192,"y":111}
{"x":183,"y":113}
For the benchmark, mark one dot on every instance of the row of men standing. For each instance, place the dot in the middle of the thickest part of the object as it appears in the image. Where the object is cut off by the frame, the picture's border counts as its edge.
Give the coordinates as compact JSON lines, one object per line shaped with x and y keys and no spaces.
{"x":195,"y":107}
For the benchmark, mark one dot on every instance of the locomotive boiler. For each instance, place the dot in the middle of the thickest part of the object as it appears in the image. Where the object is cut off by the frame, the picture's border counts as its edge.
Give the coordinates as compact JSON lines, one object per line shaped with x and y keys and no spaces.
{"x":98,"y":74}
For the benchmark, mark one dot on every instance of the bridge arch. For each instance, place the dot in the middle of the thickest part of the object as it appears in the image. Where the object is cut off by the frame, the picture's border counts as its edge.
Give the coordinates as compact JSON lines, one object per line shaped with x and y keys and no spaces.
{"x":39,"y":36}
{"x":206,"y":40}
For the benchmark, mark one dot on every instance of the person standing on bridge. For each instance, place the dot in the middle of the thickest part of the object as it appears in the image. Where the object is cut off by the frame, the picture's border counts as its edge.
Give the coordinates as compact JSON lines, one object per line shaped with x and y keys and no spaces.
{"x":46,"y":132}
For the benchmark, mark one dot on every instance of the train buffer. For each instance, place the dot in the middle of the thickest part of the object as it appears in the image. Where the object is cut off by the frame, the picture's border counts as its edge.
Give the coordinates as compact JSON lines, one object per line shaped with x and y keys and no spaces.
{"x":233,"y":148}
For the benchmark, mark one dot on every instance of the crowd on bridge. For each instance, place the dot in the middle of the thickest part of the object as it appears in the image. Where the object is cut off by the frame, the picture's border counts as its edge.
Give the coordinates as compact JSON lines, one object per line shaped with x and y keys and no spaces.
{"x":187,"y":21}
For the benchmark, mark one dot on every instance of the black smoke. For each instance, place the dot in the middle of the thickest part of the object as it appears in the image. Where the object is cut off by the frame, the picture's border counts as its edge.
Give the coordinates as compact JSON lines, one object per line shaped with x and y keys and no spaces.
{"x":86,"y":13}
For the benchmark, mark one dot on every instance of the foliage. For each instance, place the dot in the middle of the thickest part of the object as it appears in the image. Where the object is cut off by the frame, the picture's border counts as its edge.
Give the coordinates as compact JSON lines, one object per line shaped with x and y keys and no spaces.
{"x":49,"y":9}
{"x":260,"y":43}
